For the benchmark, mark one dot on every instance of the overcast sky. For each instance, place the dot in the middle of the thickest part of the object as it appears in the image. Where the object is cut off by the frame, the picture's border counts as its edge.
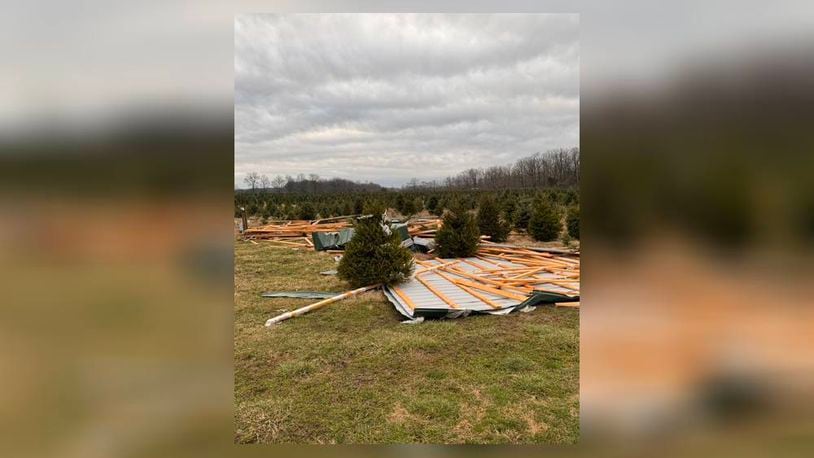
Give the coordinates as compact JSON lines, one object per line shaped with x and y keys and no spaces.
{"x":385,"y":98}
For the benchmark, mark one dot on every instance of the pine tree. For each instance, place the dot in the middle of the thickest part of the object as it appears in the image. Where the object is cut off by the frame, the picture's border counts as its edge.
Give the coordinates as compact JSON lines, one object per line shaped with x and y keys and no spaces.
{"x":489,"y":222}
{"x":522,"y":215}
{"x":373,"y":207}
{"x":418,"y":204}
{"x":432,"y":204}
{"x":572,"y":222}
{"x":358,"y":206}
{"x":443,"y":204}
{"x":347,"y":208}
{"x":252,"y":208}
{"x":307,"y":211}
{"x":399,"y":203}
{"x":458,"y":236}
{"x":509,"y":208}
{"x":544,"y":224}
{"x":372,"y":256}
{"x":408,"y":207}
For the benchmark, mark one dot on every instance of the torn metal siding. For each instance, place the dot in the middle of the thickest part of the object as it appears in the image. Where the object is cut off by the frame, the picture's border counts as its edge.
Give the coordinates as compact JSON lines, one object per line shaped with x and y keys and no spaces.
{"x":432,"y":293}
{"x":425,"y":302}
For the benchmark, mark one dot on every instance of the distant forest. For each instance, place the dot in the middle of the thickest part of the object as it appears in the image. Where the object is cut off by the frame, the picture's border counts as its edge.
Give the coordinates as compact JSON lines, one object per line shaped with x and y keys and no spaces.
{"x":552,"y":177}
{"x":554,"y":169}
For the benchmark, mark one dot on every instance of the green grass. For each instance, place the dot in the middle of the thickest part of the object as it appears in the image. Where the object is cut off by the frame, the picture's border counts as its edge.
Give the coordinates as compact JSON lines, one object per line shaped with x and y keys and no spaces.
{"x":351,"y":373}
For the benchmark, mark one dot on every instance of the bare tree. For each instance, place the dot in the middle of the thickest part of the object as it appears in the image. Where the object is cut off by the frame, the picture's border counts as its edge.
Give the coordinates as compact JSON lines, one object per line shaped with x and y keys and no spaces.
{"x":554,"y":168}
{"x":264,"y":182}
{"x":559,"y":168}
{"x":252,"y":179}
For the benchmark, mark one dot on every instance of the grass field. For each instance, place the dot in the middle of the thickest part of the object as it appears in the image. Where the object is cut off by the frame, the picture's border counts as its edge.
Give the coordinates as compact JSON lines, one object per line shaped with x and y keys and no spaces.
{"x":352,"y":373}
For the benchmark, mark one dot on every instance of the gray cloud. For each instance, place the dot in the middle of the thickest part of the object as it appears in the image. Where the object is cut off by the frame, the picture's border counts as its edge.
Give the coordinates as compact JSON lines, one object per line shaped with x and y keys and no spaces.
{"x":383,"y":98}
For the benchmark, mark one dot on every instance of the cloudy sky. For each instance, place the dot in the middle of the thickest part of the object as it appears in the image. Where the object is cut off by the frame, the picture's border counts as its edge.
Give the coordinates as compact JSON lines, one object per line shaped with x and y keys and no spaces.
{"x":385,"y":98}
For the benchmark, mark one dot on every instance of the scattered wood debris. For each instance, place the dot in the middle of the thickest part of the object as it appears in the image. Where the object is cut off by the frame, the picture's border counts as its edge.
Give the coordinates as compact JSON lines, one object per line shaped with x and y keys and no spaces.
{"x":299,"y":234}
{"x":296,"y":234}
{"x":316,"y":305}
{"x":424,"y":227}
{"x":498,"y":280}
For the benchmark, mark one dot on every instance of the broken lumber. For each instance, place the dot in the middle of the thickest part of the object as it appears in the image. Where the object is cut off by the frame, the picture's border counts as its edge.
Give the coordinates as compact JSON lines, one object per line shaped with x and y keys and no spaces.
{"x":316,"y":305}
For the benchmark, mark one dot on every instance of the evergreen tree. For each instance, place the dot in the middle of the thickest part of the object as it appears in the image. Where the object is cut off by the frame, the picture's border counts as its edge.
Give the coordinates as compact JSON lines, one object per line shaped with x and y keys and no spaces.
{"x":443,"y":203}
{"x":418,"y":205}
{"x":522,"y":216}
{"x":489,"y":222}
{"x":358,"y":206}
{"x":432,"y":204}
{"x":307,"y":211}
{"x":572,"y":222}
{"x":347,"y":208}
{"x":509,"y":209}
{"x":544,"y":224}
{"x":407,"y":207}
{"x":373,"y":256}
{"x":373,"y":207}
{"x":458,"y":236}
{"x":399,"y":203}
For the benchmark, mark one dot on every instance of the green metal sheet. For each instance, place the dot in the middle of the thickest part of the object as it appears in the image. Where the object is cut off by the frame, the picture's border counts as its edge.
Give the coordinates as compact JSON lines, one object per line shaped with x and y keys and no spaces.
{"x":401,"y":230}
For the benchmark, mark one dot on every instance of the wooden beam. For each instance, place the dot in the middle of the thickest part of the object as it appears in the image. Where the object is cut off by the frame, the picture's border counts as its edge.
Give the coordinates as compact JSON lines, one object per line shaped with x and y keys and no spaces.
{"x":438,"y":293}
{"x":314,"y":306}
{"x":475,"y":294}
{"x":403,"y":297}
{"x":434,"y":267}
{"x":489,"y":289}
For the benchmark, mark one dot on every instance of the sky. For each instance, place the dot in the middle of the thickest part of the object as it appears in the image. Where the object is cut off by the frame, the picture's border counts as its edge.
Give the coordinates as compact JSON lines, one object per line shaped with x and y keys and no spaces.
{"x":386,"y":98}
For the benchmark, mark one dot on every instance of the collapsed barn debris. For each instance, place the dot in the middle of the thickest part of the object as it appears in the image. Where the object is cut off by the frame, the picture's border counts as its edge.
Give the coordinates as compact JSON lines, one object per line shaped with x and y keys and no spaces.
{"x":324,"y":241}
{"x":334,"y":233}
{"x":499,"y":280}
{"x":297,"y":233}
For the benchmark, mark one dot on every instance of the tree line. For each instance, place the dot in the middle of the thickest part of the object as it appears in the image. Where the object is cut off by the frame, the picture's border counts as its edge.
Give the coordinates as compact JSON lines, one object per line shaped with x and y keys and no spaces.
{"x":555,"y":168}
{"x":540,"y":196}
{"x":514,"y":207}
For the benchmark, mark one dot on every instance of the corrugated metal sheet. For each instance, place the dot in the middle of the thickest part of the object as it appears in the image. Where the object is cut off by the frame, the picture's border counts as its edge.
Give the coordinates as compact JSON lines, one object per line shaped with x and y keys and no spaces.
{"x":433,"y":293}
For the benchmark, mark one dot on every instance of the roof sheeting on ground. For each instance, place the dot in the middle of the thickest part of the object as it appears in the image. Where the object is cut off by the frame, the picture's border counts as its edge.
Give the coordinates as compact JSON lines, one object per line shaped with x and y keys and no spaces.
{"x":498,"y":281}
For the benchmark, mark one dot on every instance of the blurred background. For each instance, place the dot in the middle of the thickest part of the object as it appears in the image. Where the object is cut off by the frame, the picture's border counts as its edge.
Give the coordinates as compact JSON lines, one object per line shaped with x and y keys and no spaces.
{"x":116,"y":172}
